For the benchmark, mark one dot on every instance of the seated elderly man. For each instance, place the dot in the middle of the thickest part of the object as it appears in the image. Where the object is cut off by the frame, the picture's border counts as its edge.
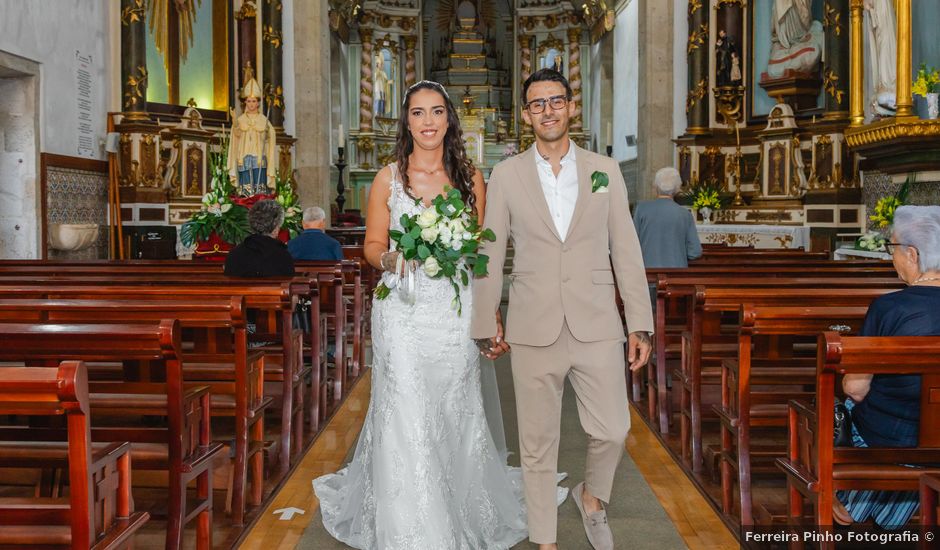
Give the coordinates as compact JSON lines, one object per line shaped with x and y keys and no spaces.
{"x":666,"y":230}
{"x":885,"y":408}
{"x":261,"y":254}
{"x":313,"y":243}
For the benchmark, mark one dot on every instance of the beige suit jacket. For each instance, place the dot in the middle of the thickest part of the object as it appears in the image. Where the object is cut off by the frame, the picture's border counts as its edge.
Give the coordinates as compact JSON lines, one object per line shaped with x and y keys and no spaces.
{"x":554,"y":281}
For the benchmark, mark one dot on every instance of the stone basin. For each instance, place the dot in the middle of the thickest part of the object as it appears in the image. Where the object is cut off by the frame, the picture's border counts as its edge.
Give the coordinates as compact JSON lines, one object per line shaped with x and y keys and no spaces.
{"x":71,"y":237}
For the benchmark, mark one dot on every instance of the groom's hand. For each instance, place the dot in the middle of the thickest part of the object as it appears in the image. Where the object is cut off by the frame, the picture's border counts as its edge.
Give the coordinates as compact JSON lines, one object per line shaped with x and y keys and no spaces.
{"x":639,"y":348}
{"x":492,"y":348}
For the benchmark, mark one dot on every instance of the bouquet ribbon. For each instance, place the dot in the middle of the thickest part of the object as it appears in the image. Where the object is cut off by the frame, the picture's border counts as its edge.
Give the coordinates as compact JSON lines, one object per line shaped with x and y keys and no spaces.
{"x":405,"y":283}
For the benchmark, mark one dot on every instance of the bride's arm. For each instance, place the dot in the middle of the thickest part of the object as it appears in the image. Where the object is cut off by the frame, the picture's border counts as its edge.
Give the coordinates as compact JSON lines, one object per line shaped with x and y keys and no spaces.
{"x":377,"y":219}
{"x":479,"y":192}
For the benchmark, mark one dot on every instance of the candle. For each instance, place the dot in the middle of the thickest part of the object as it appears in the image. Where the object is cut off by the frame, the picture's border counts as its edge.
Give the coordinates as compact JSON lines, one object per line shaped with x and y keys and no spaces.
{"x":737,"y":133}
{"x":610,"y":135}
{"x":342,"y":136}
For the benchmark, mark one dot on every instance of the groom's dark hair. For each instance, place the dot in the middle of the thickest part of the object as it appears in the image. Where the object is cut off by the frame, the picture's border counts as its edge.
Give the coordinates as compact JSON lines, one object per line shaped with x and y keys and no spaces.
{"x":545,"y":75}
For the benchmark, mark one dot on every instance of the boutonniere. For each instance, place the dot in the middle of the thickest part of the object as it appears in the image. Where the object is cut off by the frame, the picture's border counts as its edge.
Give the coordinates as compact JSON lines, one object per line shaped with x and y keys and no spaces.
{"x":599,"y":181}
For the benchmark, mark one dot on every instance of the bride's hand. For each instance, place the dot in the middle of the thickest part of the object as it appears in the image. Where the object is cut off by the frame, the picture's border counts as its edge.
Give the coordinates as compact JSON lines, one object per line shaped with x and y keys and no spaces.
{"x":389,"y":261}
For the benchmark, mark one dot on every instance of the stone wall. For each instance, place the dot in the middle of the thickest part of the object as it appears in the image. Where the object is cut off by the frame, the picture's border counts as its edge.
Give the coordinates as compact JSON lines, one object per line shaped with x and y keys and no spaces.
{"x":19,"y":213}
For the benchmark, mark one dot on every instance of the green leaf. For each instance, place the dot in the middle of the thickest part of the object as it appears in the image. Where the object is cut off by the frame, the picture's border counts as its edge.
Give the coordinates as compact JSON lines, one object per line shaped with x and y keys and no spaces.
{"x":405,"y":220}
{"x":394,"y":234}
{"x":381,"y":292}
{"x":415,"y":232}
{"x":488,"y":235}
{"x":407,"y":242}
{"x":423,"y":252}
{"x":464,"y":278}
{"x":410,"y":253}
{"x":479,"y":268}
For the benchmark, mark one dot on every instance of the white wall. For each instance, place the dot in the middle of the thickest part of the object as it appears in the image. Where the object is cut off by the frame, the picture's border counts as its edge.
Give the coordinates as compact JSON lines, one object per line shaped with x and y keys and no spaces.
{"x":287,"y":75}
{"x":51,"y":33}
{"x":626,"y":73}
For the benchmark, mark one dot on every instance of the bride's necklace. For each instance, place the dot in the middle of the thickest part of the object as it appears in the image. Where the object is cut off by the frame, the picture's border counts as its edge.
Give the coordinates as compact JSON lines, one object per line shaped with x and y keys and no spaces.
{"x":427,"y":171}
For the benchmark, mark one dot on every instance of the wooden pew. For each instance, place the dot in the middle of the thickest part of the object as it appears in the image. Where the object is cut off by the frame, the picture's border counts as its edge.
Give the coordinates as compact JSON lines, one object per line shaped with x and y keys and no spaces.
{"x":98,"y":512}
{"x":709,"y":303}
{"x":815,"y":468}
{"x":277,"y":298}
{"x":184,"y":448}
{"x":219,"y":359}
{"x":758,"y":383}
{"x":929,"y":506}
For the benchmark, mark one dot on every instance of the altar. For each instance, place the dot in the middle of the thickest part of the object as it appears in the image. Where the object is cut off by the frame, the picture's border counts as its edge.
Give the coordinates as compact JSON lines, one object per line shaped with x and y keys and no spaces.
{"x":758,"y":236}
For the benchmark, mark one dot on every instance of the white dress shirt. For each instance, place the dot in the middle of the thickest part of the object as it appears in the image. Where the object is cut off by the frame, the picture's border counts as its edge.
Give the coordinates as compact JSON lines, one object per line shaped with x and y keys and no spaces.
{"x":561,"y":192}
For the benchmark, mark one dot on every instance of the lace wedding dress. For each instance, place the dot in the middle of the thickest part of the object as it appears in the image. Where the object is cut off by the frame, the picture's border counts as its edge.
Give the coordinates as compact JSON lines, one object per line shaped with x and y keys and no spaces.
{"x":426,"y":473}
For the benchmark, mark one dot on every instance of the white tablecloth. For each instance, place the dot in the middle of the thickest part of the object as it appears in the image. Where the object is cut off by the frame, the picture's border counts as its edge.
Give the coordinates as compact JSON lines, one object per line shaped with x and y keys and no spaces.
{"x":847,"y":253}
{"x":758,"y":236}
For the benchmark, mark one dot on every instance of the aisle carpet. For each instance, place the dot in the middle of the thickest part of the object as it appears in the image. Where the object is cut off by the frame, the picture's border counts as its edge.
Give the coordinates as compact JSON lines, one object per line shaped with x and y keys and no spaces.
{"x":637,"y":519}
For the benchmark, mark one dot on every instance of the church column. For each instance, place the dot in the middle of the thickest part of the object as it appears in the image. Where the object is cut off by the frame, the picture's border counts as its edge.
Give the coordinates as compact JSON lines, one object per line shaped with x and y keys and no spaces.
{"x":134,"y":59}
{"x":365,"y":81}
{"x":857,"y":69}
{"x":836,"y":68}
{"x":525,"y":57}
{"x":411,"y":72}
{"x":247,"y":46}
{"x":696,"y":103}
{"x":904,"y":84}
{"x":273,"y":58}
{"x":574,"y":75}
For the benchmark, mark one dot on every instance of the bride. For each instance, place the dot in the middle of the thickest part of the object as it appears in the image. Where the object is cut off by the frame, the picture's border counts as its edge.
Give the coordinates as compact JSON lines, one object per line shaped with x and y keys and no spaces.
{"x":426,"y":474}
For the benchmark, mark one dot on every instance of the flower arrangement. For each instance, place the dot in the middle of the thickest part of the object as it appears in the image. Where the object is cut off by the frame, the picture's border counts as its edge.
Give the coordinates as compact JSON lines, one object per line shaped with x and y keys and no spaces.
{"x":705,"y":196}
{"x":444,"y":238}
{"x":927,"y":81}
{"x":885,"y":207}
{"x":510,"y":150}
{"x":285,"y":196}
{"x":218,"y":213}
{"x":872,"y":241}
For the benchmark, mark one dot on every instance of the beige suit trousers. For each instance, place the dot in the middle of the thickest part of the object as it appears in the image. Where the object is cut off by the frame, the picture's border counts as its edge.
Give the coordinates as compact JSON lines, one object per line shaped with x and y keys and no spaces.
{"x":596,"y":371}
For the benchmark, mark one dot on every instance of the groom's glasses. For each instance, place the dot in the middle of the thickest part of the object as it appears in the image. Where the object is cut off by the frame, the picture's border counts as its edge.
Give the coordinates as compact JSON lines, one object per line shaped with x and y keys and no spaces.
{"x":537,"y":106}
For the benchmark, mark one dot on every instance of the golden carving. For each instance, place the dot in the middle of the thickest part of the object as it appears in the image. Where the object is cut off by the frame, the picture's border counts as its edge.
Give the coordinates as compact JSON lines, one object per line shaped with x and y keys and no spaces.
{"x":697,"y":38}
{"x":248,"y":10}
{"x":785,"y":240}
{"x":284,"y":160}
{"x":134,"y":88}
{"x":127,"y":171}
{"x":194,"y":169}
{"x":856,"y":67}
{"x":830,"y":81}
{"x":133,"y":14}
{"x":777,"y":168}
{"x":366,"y":145}
{"x":823,"y":172}
{"x":147,"y":153}
{"x":176,"y":186}
{"x":550,"y":43}
{"x":272,"y":36}
{"x":274,"y":95}
{"x":832,"y":19}
{"x":695,"y":95}
{"x":694,"y":6}
{"x":891,"y":129}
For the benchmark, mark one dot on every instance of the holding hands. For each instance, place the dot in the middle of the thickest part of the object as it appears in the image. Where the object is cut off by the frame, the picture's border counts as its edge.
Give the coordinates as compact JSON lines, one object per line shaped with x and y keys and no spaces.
{"x":492,"y":348}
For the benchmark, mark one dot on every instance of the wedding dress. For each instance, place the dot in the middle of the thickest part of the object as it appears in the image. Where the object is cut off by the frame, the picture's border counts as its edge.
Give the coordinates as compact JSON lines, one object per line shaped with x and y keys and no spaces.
{"x":426,"y":474}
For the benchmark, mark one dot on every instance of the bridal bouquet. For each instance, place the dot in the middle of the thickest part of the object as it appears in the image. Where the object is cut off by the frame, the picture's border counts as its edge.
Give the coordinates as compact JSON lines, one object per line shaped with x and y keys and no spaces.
{"x":444,"y":238}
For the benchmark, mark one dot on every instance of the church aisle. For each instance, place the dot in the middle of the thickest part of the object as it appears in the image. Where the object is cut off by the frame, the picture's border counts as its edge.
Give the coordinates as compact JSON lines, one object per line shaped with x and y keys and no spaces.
{"x":646,"y":472}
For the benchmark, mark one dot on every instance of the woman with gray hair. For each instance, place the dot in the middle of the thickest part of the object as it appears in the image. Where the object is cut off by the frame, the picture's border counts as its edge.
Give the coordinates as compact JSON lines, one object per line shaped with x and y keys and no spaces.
{"x":666,"y":230}
{"x":261,"y":254}
{"x":885,"y":408}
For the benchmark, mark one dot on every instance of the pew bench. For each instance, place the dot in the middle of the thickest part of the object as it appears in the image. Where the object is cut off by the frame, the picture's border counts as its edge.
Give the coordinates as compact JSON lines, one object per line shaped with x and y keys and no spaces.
{"x":815,"y":469}
{"x":98,"y":512}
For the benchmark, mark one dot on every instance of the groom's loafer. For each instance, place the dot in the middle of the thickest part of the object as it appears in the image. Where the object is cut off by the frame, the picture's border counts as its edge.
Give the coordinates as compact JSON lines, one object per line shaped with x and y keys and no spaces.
{"x":595,"y":524}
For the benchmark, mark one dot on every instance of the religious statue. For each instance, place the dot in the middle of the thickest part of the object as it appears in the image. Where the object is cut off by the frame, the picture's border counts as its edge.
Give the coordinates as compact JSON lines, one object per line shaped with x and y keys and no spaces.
{"x":726,"y":59}
{"x":383,"y":88}
{"x":882,"y":51}
{"x":253,"y":145}
{"x":796,"y":39}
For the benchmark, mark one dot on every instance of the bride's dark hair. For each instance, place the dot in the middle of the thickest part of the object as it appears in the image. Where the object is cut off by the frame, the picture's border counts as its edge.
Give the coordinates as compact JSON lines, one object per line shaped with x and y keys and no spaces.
{"x":458,"y":166}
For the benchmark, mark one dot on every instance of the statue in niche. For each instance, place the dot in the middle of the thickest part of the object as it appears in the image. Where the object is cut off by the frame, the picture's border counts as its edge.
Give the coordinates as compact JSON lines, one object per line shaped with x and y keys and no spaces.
{"x":796,"y":39}
{"x":883,"y":52}
{"x":553,"y":60}
{"x":382,"y":84}
{"x":252,"y":145}
{"x":727,"y":64}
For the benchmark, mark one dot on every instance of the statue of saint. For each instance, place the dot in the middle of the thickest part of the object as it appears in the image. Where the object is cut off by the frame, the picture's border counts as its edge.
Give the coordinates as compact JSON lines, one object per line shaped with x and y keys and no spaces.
{"x":726,"y":52}
{"x":252,"y":146}
{"x":882,"y":53}
{"x":382,"y":86}
{"x":796,"y":40}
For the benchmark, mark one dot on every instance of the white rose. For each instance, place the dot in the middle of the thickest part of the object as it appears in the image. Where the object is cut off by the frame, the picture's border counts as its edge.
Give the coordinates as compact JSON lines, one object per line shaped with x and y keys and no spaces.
{"x":431,"y":267}
{"x":456,"y":244}
{"x":226,"y":207}
{"x":429,"y":234}
{"x":445,"y":233}
{"x":457,"y":226}
{"x":427,"y":218}
{"x":467,"y":236}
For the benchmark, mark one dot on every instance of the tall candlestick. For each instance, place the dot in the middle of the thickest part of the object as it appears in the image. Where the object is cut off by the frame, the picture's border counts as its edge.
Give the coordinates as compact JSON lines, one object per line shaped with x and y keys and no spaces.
{"x":737,"y":132}
{"x":341,"y":137}
{"x":610,"y":135}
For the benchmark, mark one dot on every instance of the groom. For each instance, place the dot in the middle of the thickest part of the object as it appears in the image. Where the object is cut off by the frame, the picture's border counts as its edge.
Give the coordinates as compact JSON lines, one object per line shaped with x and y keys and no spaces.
{"x":566,"y":211}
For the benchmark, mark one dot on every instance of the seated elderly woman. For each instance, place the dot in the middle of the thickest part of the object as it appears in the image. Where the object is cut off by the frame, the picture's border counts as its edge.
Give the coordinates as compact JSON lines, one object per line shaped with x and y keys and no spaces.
{"x":886,"y":407}
{"x":261,"y":254}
